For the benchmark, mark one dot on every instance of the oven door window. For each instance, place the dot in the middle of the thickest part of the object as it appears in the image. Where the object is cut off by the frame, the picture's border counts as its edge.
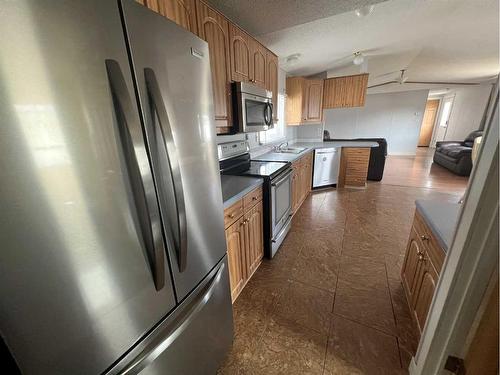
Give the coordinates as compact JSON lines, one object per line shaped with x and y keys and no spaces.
{"x":281,"y":203}
{"x":255,"y":113}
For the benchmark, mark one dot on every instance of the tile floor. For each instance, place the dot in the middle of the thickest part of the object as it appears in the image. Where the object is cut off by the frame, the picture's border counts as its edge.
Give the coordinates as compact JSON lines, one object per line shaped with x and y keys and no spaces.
{"x":331,"y":301}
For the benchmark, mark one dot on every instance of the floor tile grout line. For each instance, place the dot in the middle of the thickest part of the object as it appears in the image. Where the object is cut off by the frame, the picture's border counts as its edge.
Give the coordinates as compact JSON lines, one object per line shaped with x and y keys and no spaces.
{"x":365,"y":325}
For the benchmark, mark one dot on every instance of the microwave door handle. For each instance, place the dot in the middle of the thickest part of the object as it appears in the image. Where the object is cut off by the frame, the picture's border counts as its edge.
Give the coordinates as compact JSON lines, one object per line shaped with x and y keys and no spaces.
{"x":141,"y":179}
{"x":270,"y":113}
{"x":267,"y":115}
{"x":173,"y":163}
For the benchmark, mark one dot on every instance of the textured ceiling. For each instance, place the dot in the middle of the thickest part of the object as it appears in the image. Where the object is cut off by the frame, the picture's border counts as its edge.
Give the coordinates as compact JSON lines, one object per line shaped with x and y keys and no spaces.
{"x":443,"y":40}
{"x":264,"y":16}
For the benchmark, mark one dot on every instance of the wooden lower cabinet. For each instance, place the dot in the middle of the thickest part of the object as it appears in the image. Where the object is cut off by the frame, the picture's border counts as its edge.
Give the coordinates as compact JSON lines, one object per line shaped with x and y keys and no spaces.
{"x":235,"y":241}
{"x":420,"y":273}
{"x":301,"y":180}
{"x":254,"y":238}
{"x":244,"y":240}
{"x":353,"y":169}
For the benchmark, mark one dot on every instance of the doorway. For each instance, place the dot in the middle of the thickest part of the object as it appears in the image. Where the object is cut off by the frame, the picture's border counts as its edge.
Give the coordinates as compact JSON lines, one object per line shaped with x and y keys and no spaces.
{"x":427,"y":128}
{"x":443,"y":120}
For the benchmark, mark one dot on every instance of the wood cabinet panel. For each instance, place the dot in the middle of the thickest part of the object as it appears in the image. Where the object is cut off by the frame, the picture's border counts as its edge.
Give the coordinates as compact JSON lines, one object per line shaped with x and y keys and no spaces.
{"x":244,"y":222}
{"x":255,"y":238}
{"x":258,"y":64}
{"x":272,"y":80}
{"x":425,"y":288}
{"x":354,"y":166}
{"x":235,"y":240}
{"x":314,"y":100}
{"x":411,"y":265}
{"x":304,"y":100}
{"x":214,"y":29}
{"x":419,"y":273}
{"x":301,"y":180}
{"x":232,"y":213}
{"x":347,"y":91}
{"x":240,"y":54}
{"x":252,"y":198}
{"x":182,"y":12}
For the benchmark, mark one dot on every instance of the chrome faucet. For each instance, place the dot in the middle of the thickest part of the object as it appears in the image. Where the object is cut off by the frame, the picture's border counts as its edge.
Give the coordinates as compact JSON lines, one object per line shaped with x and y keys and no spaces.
{"x":280,"y":146}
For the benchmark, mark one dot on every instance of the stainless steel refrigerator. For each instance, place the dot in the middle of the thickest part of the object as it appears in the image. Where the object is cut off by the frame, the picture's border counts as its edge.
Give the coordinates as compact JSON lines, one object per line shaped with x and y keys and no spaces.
{"x":113,"y":255}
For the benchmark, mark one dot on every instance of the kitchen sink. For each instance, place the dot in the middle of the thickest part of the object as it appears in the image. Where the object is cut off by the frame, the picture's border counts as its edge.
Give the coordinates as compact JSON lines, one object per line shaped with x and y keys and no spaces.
{"x":291,"y":150}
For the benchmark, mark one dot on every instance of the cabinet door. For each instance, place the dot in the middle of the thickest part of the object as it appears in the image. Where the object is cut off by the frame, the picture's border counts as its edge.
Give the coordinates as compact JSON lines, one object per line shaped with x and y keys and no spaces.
{"x":360,"y":83}
{"x":235,"y":240}
{"x":214,"y":29}
{"x":314,"y":100}
{"x":424,"y":291}
{"x":409,"y":273}
{"x":151,"y":4}
{"x":258,"y":64}
{"x":272,"y":80}
{"x":182,"y":12}
{"x":254,"y":240}
{"x":240,"y":54}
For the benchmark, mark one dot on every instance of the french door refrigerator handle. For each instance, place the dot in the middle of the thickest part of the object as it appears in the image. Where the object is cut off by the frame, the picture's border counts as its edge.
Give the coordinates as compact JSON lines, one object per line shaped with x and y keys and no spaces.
{"x":173,"y":163}
{"x":155,"y":348}
{"x":141,"y":179}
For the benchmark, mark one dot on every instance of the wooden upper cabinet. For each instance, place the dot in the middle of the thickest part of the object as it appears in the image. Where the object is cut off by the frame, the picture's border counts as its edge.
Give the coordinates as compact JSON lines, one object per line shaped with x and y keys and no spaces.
{"x":304,"y":100}
{"x":240,"y":54}
{"x":314,"y":100}
{"x":258,"y":64}
{"x":182,"y":12}
{"x":348,"y":91}
{"x":214,"y":29}
{"x":272,"y":80}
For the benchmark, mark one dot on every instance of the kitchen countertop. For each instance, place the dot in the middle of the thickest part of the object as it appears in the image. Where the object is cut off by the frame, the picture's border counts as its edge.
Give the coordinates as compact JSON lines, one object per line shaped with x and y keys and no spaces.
{"x":236,"y":187}
{"x":441,"y":217}
{"x":282,"y":156}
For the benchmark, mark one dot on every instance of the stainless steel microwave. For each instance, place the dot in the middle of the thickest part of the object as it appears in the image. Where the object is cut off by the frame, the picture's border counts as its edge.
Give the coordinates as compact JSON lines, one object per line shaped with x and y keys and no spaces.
{"x":253,"y":107}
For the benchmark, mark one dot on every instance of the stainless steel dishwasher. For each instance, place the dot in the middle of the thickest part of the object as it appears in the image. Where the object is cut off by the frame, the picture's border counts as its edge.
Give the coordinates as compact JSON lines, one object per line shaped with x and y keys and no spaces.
{"x":326,"y":166}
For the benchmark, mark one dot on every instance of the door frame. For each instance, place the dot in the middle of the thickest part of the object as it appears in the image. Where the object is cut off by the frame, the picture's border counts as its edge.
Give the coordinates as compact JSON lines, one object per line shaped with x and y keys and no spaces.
{"x":472,"y":260}
{"x":442,"y":99}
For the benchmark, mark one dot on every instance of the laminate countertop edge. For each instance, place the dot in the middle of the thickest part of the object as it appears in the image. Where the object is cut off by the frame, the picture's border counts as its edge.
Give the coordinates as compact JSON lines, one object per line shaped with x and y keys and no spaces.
{"x":441,"y":217}
{"x":236,"y":187}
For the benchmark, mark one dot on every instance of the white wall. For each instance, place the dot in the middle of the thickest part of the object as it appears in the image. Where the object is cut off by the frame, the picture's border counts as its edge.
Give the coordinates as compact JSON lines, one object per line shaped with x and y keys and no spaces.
{"x":467,"y":111}
{"x":394,"y":116}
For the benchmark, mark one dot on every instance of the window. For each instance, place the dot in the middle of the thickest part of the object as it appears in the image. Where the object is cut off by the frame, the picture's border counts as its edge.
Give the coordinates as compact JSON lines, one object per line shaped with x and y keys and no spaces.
{"x":278,"y":132}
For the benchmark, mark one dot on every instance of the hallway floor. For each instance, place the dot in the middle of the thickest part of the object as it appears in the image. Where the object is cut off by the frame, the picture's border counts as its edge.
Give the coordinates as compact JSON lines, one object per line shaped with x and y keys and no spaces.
{"x":331,"y":301}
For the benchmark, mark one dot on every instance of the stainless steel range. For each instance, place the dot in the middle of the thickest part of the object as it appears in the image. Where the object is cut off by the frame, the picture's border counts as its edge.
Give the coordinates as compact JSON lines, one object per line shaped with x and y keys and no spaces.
{"x":234,"y":159}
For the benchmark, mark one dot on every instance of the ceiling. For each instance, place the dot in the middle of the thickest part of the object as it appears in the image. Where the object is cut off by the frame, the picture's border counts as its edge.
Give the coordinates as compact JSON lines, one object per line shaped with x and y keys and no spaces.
{"x":260,"y":17}
{"x":444,"y":40}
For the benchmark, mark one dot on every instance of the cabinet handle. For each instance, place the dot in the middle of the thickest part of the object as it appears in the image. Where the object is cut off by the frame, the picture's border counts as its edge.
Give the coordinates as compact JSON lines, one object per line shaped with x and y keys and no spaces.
{"x":424,"y":238}
{"x":231,"y":216}
{"x":254,"y":198}
{"x":244,"y":222}
{"x":420,"y":257}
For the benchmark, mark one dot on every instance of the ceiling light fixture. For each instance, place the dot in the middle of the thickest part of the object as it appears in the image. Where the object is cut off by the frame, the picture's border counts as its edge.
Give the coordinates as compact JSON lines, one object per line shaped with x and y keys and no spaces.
{"x":358,"y":58}
{"x":293,"y":59}
{"x":364,"y":11}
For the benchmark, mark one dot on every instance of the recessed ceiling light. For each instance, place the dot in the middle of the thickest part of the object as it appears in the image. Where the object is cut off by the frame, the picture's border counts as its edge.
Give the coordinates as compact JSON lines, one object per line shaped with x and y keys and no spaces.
{"x":293,"y":59}
{"x":364,"y":11}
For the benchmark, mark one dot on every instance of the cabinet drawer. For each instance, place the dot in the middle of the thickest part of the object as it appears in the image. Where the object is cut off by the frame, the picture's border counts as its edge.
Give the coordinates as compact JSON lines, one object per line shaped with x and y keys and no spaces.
{"x":233,"y":213}
{"x":432,"y":248}
{"x":252,"y":198}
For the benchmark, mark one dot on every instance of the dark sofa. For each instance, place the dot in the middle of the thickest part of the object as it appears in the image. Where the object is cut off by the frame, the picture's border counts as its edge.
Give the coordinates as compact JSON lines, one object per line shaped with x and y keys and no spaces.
{"x":456,"y":155}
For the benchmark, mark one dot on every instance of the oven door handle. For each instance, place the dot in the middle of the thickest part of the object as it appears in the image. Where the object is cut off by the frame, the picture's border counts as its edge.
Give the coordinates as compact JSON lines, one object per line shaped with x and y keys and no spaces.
{"x":283,"y":228}
{"x":283,"y":178}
